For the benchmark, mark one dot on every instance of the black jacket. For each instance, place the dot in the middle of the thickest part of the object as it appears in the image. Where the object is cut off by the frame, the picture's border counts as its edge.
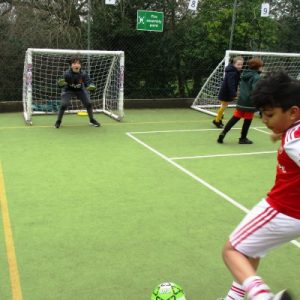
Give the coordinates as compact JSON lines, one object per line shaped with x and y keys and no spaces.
{"x":228,"y":90}
{"x":76,"y":81}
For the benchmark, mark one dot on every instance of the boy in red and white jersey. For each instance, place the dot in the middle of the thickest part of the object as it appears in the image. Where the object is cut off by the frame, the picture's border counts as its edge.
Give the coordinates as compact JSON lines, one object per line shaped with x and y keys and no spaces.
{"x":276,"y":219}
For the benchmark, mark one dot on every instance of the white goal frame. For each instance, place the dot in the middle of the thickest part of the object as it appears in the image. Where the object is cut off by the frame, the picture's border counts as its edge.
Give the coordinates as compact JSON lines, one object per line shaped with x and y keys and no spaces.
{"x":207,"y":99}
{"x":109,"y":101}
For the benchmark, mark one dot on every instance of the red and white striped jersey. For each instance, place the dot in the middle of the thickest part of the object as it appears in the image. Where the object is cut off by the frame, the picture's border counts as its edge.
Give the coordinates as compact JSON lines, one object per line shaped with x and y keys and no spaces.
{"x":285,"y":194}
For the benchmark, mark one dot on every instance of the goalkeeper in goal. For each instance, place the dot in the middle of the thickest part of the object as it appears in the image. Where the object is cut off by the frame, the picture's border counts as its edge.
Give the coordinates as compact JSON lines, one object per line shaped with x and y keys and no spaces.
{"x":76,"y":83}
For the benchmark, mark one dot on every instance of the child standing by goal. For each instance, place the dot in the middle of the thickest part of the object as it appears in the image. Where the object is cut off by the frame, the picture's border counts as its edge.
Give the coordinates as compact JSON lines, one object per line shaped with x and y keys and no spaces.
{"x":75,"y":84}
{"x":228,"y":90}
{"x":244,"y":108}
{"x":276,"y":219}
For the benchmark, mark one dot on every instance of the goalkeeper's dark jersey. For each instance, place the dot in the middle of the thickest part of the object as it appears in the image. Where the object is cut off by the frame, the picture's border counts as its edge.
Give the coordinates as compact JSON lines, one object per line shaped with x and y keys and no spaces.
{"x":76,"y":81}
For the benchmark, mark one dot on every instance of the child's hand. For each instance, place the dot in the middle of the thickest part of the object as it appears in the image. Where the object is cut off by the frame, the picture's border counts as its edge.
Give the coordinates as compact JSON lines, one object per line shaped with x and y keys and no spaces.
{"x":91,"y":88}
{"x":61,"y":82}
{"x":275,"y":136}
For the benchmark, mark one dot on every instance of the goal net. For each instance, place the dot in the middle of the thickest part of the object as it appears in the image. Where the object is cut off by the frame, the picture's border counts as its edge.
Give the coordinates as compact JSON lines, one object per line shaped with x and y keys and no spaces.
{"x":207,"y":99}
{"x":44,"y":67}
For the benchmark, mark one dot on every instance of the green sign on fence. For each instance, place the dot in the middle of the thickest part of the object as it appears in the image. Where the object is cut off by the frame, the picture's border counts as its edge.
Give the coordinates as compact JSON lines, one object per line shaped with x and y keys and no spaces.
{"x":150,"y":20}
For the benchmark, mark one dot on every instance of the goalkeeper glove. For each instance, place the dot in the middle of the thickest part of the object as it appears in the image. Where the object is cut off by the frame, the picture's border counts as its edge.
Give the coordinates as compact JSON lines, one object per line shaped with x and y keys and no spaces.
{"x":91,"y":88}
{"x":61,"y":82}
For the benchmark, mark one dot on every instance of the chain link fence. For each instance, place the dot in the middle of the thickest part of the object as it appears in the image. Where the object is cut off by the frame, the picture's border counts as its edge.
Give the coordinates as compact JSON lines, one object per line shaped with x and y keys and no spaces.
{"x":172,"y":64}
{"x":151,"y":69}
{"x":157,"y":64}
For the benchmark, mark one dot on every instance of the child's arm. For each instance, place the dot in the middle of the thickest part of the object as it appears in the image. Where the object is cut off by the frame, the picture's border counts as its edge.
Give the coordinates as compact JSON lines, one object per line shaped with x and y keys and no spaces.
{"x":275,"y":136}
{"x":292,"y":149}
{"x":88,"y":83}
{"x":64,"y":81}
{"x":231,"y":79}
{"x":91,"y":87}
{"x":61,"y":82}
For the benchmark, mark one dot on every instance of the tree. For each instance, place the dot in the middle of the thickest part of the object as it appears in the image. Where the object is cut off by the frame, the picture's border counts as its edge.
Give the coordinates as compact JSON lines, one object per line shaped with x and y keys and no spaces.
{"x":174,"y":63}
{"x":287,"y":14}
{"x":35,"y":24}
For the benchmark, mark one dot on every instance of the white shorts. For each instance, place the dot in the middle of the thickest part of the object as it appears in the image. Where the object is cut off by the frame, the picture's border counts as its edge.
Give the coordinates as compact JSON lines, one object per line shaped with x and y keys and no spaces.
{"x":262,"y":229}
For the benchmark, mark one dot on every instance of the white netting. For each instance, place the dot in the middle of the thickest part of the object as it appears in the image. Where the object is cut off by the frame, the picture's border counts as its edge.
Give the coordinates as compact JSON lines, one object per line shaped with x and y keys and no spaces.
{"x":207,"y":99}
{"x":43,"y":68}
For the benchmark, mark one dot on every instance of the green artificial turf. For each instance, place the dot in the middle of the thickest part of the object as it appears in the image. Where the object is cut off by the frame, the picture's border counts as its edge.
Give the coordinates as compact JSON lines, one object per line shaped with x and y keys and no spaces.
{"x":97,"y":215}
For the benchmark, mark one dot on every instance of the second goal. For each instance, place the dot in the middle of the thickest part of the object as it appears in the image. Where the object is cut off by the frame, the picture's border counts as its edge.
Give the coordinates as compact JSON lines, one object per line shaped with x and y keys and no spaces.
{"x":207,"y":98}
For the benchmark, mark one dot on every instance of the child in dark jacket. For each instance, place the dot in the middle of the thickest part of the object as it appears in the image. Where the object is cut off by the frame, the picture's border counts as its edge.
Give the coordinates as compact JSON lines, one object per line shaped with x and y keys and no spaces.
{"x":76,"y":83}
{"x":228,"y":90}
{"x":245,"y":108}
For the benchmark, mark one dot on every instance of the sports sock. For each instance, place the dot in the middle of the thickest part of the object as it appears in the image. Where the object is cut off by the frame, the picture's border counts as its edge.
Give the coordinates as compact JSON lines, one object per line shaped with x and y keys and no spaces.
{"x":89,"y":110}
{"x":236,"y":292}
{"x":245,"y":128}
{"x":257,"y":289}
{"x":220,"y":113}
{"x":230,"y":124}
{"x":61,"y":113}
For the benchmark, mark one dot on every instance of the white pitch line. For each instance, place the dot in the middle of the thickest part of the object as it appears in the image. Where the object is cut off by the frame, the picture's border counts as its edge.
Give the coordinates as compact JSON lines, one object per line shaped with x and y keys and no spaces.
{"x":221,"y":155}
{"x":232,"y":201}
{"x":260,"y":130}
{"x":296,"y":243}
{"x":176,"y":130}
{"x":193,"y":130}
{"x":198,"y":179}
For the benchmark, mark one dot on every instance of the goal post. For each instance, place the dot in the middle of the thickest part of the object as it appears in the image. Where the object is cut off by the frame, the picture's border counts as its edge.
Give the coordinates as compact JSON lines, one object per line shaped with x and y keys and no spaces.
{"x":43,"y":68}
{"x":207,"y":99}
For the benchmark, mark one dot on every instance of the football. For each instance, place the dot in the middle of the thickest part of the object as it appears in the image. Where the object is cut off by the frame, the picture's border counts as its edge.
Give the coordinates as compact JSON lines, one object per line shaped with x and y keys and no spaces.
{"x":168,"y":291}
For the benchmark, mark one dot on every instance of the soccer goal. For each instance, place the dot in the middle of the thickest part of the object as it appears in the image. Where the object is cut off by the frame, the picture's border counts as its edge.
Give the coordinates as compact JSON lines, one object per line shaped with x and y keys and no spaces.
{"x":43,"y":68}
{"x":207,"y":99}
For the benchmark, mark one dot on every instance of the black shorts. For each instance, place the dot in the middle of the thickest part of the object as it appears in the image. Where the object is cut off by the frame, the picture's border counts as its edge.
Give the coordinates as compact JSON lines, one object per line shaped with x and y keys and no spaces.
{"x":81,"y":94}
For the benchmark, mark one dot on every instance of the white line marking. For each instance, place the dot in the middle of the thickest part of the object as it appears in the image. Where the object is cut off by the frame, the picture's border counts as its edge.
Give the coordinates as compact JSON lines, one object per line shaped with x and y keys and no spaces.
{"x":198,"y":179}
{"x":190,"y":130}
{"x":296,"y":243}
{"x":222,"y":155}
{"x":176,"y":130}
{"x":260,"y":130}
{"x":235,"y":203}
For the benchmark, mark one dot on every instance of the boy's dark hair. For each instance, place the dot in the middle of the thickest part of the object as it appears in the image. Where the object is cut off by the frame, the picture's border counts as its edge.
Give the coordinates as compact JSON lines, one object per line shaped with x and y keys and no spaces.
{"x":255,"y":63}
{"x":74,"y":59}
{"x":277,"y":89}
